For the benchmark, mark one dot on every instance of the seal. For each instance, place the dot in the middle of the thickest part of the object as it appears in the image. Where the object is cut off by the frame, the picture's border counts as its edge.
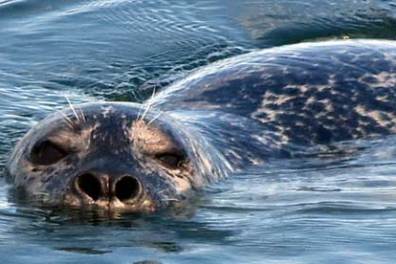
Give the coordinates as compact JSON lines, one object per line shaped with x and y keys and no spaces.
{"x":246,"y":110}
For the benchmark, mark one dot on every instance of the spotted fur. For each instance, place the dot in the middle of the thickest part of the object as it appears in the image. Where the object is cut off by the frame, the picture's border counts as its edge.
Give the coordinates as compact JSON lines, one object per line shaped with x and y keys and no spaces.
{"x":304,"y":94}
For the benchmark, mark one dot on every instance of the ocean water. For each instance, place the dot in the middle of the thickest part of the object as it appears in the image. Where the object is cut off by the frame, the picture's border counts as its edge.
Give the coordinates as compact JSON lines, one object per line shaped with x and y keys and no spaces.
{"x":339,"y":209}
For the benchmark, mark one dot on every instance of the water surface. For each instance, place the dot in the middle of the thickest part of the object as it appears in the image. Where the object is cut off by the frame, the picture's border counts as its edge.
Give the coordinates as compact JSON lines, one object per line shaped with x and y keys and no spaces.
{"x":338,"y":209}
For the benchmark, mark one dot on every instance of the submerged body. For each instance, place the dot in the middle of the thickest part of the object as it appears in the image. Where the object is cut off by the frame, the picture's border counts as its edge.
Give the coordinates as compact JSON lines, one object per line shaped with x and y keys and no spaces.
{"x":222,"y":117}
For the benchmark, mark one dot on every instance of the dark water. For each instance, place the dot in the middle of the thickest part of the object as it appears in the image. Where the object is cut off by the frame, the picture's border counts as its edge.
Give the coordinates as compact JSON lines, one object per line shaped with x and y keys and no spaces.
{"x":334,"y":210}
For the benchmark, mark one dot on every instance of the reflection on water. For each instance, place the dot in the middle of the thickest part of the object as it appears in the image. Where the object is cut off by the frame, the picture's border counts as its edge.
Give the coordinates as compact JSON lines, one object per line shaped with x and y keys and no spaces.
{"x":319,"y":210}
{"x":285,"y":21}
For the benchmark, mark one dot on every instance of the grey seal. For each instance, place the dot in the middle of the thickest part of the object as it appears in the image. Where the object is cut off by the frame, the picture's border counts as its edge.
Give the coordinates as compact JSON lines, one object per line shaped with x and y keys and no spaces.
{"x":235,"y":113}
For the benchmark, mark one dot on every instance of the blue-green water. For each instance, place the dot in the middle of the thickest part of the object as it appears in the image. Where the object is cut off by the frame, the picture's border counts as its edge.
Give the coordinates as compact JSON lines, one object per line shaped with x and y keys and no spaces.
{"x":338,"y":210}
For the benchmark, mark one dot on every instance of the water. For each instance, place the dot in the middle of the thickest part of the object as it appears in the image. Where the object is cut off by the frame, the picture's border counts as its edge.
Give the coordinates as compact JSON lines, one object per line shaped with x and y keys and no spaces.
{"x":319,"y":210}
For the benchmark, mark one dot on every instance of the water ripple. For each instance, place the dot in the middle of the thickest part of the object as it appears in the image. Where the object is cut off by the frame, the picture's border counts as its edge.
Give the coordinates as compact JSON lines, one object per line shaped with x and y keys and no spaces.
{"x":333,"y":207}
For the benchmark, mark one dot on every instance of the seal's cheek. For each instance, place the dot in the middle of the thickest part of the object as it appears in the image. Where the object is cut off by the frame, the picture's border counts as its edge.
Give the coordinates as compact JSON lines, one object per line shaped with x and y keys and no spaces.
{"x":182,"y":184}
{"x":182,"y":176}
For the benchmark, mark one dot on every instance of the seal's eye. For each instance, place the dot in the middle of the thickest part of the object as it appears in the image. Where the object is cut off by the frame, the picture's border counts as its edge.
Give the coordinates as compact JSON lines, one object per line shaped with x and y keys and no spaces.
{"x":46,"y":153}
{"x":172,"y":160}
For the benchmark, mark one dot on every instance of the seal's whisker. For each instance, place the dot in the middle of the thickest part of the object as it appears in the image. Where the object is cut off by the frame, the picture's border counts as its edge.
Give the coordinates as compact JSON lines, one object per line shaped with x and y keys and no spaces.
{"x":145,"y":111}
{"x":82,"y":114}
{"x":149,"y":104}
{"x":170,"y":200}
{"x":139,"y":114}
{"x":69,"y":122}
{"x":154,"y":118}
{"x":72,"y":108}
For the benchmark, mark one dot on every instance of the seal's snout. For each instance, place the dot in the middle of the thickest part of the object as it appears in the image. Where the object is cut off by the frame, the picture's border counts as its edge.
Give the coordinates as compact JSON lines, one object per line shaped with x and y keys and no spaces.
{"x":99,"y":188}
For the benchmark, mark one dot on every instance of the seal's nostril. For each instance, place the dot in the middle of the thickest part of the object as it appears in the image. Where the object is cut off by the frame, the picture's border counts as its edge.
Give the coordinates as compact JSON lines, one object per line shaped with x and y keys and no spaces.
{"x":127,"y":188}
{"x":90,"y":185}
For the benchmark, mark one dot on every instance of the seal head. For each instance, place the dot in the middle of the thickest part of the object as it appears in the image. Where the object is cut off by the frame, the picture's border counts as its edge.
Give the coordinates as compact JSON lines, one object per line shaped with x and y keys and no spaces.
{"x":110,"y":155}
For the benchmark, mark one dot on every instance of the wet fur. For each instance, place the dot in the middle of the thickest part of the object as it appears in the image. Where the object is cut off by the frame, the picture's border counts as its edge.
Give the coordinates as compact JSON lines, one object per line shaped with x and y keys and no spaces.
{"x":230,"y":115}
{"x":297,"y":95}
